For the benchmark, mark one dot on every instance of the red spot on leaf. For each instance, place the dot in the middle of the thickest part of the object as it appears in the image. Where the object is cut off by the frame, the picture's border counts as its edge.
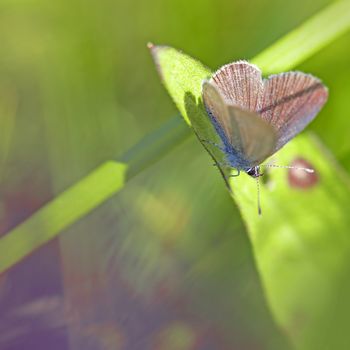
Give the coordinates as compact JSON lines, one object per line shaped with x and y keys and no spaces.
{"x":298,"y":178}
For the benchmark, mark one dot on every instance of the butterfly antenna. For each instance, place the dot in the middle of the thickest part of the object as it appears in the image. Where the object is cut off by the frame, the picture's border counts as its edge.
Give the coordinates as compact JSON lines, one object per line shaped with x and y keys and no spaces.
{"x":258,"y":192}
{"x":308,"y":170}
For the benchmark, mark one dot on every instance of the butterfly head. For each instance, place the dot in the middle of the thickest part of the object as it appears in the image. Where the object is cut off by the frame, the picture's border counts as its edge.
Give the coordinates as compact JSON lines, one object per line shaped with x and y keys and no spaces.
{"x":254,"y":171}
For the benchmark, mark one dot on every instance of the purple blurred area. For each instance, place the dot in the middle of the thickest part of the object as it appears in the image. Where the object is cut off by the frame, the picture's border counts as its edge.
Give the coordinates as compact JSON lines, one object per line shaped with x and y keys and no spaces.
{"x":31,"y":293}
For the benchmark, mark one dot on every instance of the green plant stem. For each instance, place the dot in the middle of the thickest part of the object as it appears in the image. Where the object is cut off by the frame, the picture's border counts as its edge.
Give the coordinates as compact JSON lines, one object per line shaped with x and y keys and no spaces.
{"x":65,"y":209}
{"x":82,"y":197}
{"x":110,"y":177}
{"x":155,"y":145}
{"x":306,"y":40}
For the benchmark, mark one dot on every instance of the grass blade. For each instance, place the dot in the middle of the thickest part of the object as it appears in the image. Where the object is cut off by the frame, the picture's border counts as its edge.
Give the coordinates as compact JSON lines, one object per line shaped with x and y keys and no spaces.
{"x":306,"y":40}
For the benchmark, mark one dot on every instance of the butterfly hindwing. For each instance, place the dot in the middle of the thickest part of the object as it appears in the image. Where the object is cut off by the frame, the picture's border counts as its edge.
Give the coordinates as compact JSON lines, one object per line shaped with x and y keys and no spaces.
{"x":290,"y":102}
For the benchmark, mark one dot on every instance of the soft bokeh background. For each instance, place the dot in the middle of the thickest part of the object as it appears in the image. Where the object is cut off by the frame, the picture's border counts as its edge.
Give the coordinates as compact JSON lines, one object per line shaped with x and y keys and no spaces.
{"x":165,"y":264}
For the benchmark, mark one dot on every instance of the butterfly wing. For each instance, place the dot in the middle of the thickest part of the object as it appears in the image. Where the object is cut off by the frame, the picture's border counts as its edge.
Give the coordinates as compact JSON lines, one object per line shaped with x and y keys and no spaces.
{"x":258,"y":138}
{"x":241,"y":84}
{"x":290,"y":101}
{"x":246,"y":131}
{"x":218,"y":110}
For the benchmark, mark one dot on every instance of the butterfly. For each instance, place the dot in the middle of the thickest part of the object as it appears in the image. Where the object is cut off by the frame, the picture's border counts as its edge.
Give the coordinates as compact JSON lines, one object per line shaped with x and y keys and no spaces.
{"x":255,"y":117}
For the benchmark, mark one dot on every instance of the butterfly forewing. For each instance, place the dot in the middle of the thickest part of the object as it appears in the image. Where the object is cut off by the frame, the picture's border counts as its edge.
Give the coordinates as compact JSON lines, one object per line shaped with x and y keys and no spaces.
{"x":258,"y":138}
{"x":290,"y":102}
{"x":246,"y":131}
{"x":241,"y":84}
{"x":218,"y":110}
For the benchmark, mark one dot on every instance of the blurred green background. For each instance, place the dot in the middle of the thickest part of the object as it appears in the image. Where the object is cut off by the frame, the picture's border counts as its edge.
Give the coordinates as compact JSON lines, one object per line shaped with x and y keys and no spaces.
{"x":165,"y":264}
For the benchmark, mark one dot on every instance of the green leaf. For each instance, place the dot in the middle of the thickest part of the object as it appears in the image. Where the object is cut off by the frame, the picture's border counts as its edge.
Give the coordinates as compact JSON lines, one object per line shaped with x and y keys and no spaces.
{"x":301,"y":245}
{"x":182,"y":76}
{"x":173,"y":64}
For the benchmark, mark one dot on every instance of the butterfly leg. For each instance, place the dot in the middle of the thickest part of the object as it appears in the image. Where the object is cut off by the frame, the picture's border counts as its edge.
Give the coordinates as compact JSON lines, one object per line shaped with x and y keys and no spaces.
{"x":214,"y":144}
{"x":223,"y":164}
{"x":237,"y":174}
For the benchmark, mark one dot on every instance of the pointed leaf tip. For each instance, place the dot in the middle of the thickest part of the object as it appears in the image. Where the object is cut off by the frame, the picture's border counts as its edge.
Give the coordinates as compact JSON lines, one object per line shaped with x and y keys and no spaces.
{"x":182,"y":76}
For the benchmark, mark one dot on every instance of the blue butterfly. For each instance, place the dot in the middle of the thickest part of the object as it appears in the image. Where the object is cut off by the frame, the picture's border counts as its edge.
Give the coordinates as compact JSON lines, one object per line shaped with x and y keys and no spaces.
{"x":255,"y":117}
